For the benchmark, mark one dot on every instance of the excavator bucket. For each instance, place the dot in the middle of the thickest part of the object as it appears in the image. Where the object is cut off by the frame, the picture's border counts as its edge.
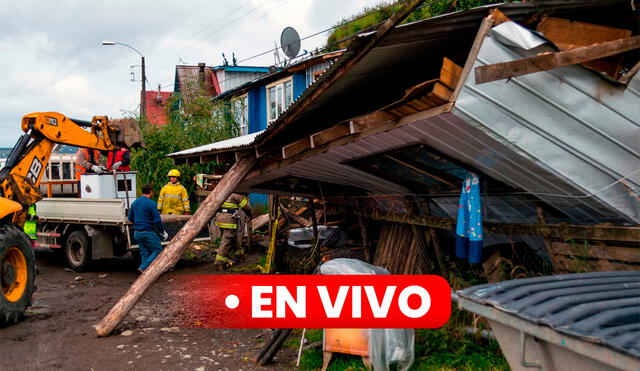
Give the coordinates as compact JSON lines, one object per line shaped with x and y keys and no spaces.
{"x":128,"y":133}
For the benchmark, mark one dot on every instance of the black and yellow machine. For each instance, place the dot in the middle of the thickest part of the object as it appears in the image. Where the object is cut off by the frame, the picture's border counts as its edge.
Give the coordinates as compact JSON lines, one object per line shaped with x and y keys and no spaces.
{"x":19,"y":189}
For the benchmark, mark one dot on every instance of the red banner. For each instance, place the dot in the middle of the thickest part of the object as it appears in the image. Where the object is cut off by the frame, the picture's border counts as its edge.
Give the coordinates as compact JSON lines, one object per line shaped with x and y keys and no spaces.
{"x":314,"y":301}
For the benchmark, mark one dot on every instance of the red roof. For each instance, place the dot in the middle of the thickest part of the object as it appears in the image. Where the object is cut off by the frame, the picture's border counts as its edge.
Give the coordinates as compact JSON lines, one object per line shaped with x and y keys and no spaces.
{"x":156,"y":103}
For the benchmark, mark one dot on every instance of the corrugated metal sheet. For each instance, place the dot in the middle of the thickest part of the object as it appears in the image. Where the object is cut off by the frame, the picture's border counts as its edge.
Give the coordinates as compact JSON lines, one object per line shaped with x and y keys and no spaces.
{"x":410,"y":54}
{"x":602,"y":307}
{"x":237,"y":142}
{"x":569,"y":126}
{"x":446,"y":134}
{"x":231,"y":79}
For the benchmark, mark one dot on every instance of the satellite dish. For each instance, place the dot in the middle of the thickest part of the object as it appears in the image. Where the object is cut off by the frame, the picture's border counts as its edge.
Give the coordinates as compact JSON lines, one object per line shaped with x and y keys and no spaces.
{"x":290,"y":42}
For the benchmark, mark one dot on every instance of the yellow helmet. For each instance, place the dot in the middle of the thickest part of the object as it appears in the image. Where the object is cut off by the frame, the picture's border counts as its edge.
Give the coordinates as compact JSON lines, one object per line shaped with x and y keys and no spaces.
{"x":173,"y":172}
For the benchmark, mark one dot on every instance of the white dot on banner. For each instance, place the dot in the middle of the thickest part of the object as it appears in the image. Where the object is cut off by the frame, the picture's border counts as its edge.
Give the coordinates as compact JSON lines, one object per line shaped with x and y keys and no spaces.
{"x":231,"y":301}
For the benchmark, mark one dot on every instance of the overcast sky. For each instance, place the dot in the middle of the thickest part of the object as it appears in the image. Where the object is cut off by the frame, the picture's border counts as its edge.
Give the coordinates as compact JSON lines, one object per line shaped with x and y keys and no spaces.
{"x":51,"y":57}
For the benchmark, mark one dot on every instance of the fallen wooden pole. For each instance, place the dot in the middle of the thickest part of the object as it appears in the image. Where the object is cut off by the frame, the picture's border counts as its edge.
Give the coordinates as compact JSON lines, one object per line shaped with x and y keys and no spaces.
{"x":171,"y":254}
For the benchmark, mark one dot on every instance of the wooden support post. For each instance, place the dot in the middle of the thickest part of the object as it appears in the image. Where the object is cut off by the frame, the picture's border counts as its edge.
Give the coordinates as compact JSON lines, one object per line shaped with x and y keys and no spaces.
{"x":314,"y":220}
{"x":368,"y":256}
{"x":171,"y":254}
{"x":547,"y":243}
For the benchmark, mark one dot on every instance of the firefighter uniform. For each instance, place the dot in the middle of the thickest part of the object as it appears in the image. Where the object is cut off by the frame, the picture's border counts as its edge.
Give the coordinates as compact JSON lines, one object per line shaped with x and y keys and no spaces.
{"x":173,"y":199}
{"x":227,"y":220}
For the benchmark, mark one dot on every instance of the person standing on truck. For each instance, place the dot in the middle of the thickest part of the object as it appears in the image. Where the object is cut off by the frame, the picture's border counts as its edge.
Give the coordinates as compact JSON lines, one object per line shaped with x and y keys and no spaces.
{"x":147,"y":227}
{"x":173,"y":196}
{"x":119,"y":159}
{"x":226,"y":219}
{"x":89,"y":161}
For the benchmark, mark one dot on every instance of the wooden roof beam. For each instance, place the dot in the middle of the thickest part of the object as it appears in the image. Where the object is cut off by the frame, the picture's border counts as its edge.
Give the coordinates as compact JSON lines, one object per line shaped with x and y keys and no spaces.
{"x":551,"y":61}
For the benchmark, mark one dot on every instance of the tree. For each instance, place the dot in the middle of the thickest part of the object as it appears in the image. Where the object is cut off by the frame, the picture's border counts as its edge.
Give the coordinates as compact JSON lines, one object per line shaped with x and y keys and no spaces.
{"x":370,"y":17}
{"x":194,"y":120}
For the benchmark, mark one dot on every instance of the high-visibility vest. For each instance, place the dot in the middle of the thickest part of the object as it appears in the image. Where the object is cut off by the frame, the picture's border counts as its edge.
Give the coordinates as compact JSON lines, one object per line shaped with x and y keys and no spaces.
{"x":31,"y":225}
{"x":118,"y":158}
{"x":91,"y":156}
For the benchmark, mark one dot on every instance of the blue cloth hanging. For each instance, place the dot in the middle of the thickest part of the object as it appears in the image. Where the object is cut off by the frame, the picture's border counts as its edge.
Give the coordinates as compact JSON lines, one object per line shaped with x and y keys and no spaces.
{"x":469,"y":224}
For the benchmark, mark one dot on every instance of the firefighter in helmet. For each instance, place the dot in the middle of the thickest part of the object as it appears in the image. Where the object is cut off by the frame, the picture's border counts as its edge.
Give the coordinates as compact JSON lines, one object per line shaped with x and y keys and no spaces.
{"x":173,"y":197}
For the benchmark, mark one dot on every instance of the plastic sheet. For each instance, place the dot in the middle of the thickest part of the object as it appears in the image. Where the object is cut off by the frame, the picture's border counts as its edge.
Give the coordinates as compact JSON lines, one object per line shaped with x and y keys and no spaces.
{"x":350,"y":266}
{"x":386,"y":346}
{"x":328,"y":236}
{"x":391,"y":346}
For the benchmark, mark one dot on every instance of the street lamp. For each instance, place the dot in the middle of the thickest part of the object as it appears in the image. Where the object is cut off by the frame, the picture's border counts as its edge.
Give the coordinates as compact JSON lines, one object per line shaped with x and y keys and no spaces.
{"x":143,"y":108}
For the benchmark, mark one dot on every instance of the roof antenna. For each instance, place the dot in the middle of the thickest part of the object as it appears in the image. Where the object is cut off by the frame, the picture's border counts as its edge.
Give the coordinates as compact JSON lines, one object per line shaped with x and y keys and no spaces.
{"x":276,"y":55}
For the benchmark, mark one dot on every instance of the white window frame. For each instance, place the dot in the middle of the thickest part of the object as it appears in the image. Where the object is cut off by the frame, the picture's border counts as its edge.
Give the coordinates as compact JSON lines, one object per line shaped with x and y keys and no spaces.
{"x":281,"y":102}
{"x":240,"y":111}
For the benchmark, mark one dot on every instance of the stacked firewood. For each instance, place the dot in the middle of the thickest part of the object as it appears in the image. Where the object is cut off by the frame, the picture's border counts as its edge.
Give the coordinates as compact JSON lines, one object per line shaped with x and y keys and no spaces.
{"x":401,"y":249}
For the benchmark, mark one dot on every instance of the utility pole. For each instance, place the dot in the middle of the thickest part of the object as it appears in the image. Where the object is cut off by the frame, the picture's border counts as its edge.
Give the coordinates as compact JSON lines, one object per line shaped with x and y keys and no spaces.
{"x":143,"y":101}
{"x":143,"y":93}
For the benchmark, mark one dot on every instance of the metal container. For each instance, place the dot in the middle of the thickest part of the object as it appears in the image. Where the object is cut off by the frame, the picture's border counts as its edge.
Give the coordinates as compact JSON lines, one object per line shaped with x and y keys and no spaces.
{"x":586,"y":321}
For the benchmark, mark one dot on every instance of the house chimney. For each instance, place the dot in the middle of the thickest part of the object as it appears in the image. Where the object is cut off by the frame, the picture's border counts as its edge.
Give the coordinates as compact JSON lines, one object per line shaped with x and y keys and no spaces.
{"x":201,"y":71}
{"x":159,"y":97}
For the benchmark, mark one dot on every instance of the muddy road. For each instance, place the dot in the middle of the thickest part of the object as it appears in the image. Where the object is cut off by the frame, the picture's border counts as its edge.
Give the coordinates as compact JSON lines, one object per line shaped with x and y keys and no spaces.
{"x":57,"y":332}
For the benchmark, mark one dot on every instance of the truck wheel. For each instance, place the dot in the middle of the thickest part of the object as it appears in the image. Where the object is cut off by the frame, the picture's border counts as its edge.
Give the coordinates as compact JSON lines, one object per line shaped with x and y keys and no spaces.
{"x":17,"y":273}
{"x":78,"y":250}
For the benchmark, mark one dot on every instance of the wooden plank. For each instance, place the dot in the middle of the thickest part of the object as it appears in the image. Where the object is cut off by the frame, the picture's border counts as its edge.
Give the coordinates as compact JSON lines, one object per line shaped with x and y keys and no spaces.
{"x":361,"y":129}
{"x":547,"y":243}
{"x":550,"y":61}
{"x":601,"y":251}
{"x":296,"y":147}
{"x":366,"y":122}
{"x":629,"y":75}
{"x":559,"y":231}
{"x":574,"y":265}
{"x":568,"y":35}
{"x":442,"y":91}
{"x":330,"y":134}
{"x":450,"y":73}
{"x":172,"y":252}
{"x":483,"y":31}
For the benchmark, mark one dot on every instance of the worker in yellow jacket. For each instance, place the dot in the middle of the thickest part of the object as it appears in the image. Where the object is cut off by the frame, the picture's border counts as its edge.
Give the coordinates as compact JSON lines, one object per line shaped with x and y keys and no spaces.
{"x":173,"y":196}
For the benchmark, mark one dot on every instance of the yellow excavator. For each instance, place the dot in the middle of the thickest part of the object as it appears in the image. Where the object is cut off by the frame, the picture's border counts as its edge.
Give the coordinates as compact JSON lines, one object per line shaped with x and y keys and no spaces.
{"x":19,"y":189}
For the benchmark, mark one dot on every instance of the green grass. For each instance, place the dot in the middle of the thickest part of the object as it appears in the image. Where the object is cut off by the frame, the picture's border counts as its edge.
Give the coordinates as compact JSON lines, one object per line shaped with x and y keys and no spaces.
{"x":446,"y":348}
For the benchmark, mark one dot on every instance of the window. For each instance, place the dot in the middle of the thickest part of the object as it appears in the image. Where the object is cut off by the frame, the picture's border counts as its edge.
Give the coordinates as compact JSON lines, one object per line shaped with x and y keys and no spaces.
{"x":240,"y":108}
{"x":279,"y":98}
{"x":55,"y":171}
{"x":66,"y":170}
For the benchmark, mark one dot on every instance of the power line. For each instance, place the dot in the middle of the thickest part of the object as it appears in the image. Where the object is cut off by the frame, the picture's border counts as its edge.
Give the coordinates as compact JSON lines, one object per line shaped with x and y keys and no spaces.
{"x":340,"y":25}
{"x":218,"y":30}
{"x":168,"y":49}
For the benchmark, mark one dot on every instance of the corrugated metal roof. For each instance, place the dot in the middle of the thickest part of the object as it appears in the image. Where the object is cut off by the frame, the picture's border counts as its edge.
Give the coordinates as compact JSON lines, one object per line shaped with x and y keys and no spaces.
{"x":408,"y":55}
{"x":573,"y":125}
{"x":601,"y":307}
{"x":237,"y":142}
{"x":242,"y":68}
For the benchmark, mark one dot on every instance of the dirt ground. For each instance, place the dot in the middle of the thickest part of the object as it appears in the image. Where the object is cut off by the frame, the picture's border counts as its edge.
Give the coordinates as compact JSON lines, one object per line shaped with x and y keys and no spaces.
{"x":57,"y":332}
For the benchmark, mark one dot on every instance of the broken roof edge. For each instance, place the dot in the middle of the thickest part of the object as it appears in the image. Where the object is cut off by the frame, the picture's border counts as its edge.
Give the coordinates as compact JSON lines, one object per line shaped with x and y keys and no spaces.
{"x":231,"y":144}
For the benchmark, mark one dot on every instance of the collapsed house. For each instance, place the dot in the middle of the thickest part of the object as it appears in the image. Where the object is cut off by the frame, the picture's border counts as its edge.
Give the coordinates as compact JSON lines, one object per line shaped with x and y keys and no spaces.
{"x":390,"y":130}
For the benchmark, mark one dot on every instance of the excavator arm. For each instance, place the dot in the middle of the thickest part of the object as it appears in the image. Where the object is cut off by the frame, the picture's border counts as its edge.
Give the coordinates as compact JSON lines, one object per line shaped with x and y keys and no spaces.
{"x":20,"y":178}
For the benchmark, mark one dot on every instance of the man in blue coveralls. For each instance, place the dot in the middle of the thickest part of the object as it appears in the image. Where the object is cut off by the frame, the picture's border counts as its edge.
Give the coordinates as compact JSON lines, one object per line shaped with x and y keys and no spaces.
{"x":147,"y":226}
